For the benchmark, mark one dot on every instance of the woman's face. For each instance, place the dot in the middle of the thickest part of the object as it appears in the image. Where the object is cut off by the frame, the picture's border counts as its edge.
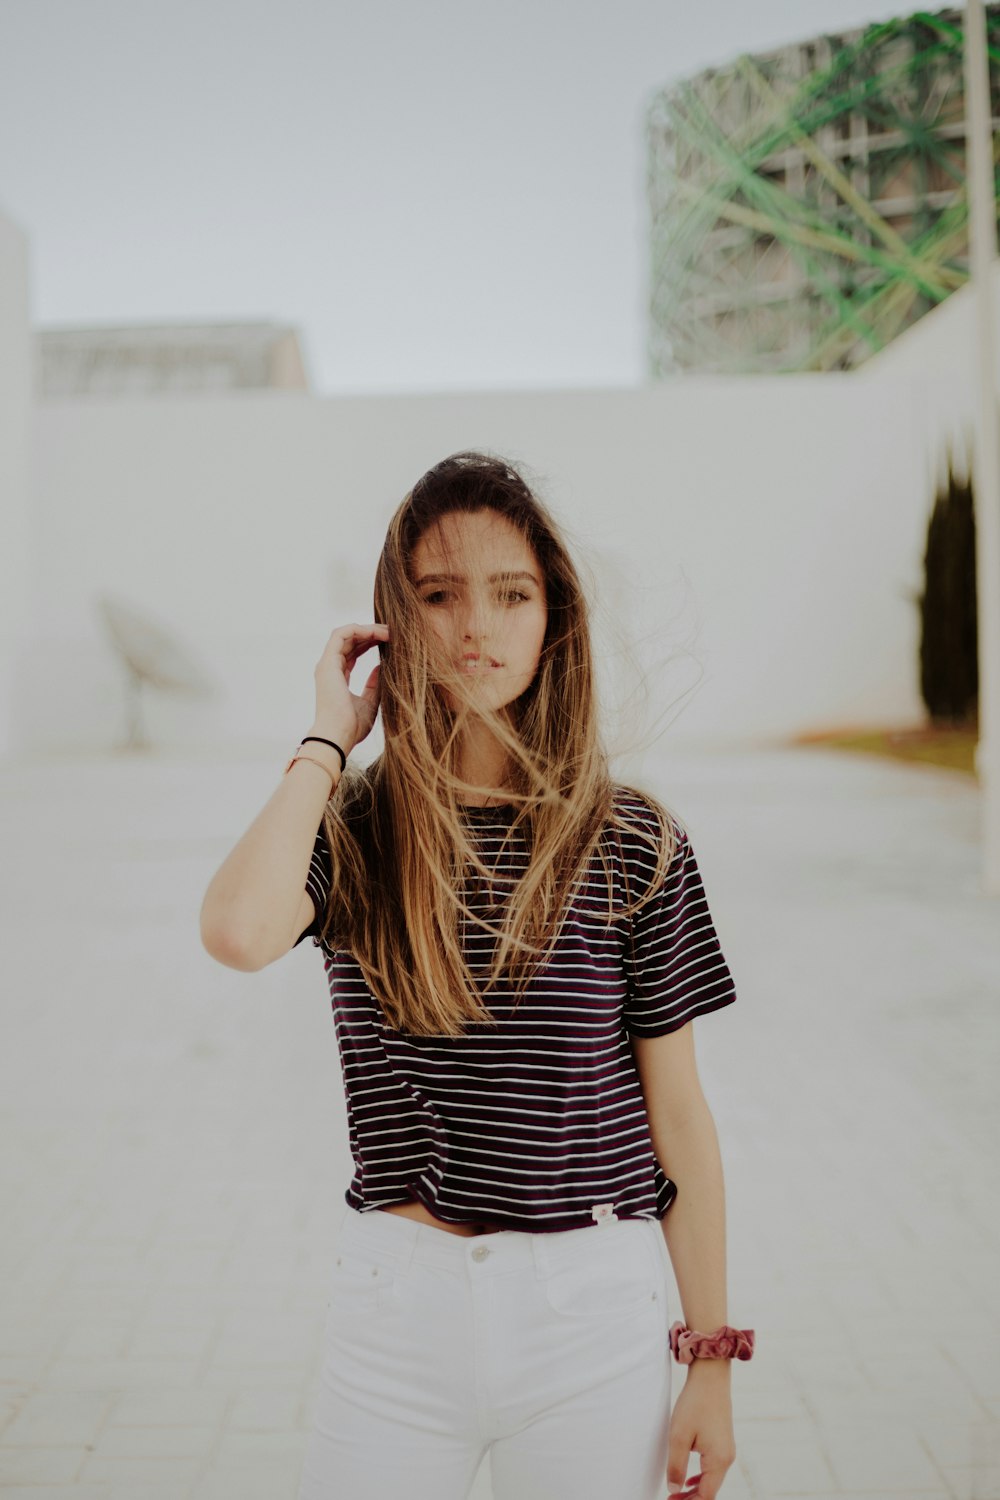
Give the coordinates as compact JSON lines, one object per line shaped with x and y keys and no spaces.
{"x":483,"y":593}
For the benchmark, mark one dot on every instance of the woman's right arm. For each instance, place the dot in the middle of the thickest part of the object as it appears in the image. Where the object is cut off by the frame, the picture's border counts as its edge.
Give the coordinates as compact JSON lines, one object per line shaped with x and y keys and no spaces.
{"x":256,"y":905}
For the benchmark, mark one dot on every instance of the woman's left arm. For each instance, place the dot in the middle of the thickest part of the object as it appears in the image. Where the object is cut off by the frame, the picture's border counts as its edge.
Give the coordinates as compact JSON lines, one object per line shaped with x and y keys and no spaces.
{"x":687,"y":1147}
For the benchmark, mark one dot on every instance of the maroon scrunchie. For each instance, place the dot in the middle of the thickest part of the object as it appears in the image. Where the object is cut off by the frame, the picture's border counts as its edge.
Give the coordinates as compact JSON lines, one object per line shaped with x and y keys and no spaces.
{"x":688,"y":1344}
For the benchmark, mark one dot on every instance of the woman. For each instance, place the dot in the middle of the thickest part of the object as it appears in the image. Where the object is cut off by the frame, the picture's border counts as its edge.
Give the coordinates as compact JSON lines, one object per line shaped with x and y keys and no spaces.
{"x":516,"y":946}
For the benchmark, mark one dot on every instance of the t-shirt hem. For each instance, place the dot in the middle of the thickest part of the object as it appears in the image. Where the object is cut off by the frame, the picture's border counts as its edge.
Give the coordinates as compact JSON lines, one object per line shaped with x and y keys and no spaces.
{"x":489,"y":1216}
{"x":704,"y":1008}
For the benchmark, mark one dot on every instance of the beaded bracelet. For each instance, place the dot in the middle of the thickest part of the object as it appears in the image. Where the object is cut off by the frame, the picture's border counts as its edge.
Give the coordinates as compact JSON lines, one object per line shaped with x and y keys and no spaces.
{"x":687,"y":1344}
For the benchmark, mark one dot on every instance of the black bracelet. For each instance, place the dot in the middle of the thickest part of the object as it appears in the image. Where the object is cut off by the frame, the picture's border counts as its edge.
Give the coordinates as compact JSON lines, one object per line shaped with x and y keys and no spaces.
{"x":320,"y":740}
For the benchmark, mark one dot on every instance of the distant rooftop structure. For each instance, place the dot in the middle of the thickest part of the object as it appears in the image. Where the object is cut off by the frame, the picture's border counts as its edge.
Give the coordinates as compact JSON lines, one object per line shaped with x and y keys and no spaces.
{"x":140,"y":358}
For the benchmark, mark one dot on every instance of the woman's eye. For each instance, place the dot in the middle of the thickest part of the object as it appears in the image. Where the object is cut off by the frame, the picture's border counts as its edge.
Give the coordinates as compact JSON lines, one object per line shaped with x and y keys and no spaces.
{"x":512,"y":597}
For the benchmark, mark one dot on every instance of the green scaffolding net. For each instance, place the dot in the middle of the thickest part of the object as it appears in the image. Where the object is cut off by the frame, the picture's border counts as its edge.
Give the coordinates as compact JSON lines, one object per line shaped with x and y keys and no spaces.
{"x":808,"y":204}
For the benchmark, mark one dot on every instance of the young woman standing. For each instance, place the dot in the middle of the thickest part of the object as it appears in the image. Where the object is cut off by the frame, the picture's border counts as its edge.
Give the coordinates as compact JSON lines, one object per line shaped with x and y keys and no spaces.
{"x":516,"y":946}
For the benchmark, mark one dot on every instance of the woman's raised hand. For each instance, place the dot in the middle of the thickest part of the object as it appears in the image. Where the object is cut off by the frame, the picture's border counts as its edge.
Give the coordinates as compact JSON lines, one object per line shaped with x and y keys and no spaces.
{"x":351,"y":715}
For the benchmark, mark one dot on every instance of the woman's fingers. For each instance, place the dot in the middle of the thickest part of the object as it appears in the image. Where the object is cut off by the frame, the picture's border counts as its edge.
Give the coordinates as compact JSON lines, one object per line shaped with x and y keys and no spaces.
{"x":358,"y":641}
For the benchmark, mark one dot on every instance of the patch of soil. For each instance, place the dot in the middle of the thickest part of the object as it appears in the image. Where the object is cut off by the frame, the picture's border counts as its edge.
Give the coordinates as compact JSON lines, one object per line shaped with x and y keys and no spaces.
{"x":952,"y":747}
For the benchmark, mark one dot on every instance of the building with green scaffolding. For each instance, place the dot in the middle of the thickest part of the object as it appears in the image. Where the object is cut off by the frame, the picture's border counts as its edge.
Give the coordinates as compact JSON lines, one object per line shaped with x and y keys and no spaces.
{"x":808,"y":204}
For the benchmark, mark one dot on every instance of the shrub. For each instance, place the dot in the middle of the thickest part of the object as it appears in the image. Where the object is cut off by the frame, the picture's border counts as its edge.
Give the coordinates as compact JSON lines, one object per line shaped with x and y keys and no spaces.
{"x":949,"y":658}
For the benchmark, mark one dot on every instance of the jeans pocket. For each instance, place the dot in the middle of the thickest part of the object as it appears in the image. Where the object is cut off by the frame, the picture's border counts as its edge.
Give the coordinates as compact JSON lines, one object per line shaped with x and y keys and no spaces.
{"x":362,"y":1281}
{"x":612,"y":1278}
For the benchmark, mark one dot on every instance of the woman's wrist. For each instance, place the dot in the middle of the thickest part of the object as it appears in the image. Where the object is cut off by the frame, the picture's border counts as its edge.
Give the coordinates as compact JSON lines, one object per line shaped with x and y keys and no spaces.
{"x":332,"y":773}
{"x":720,"y":1346}
{"x":323,"y":751}
{"x":328,"y":731}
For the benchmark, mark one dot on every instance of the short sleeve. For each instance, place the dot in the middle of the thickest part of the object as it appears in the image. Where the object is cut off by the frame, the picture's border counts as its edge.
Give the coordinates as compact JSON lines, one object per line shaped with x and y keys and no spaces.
{"x":675,"y":969}
{"x":317,"y":885}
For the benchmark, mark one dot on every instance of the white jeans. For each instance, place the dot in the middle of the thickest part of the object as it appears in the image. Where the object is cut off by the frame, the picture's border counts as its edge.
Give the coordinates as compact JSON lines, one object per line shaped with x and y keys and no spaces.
{"x":548,"y":1350}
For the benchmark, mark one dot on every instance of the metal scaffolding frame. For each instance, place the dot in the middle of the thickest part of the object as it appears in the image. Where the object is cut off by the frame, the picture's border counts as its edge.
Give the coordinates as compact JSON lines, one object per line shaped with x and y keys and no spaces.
{"x":810,"y":203}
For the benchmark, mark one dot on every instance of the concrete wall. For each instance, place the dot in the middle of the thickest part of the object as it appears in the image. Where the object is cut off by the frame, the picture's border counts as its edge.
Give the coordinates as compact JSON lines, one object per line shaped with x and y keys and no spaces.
{"x":752,"y":541}
{"x":17,"y":600}
{"x":933,"y":369}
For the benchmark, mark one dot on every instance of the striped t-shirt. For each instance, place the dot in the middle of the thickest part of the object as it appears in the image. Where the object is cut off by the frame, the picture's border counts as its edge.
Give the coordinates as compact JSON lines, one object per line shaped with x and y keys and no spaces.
{"x":538,"y":1123}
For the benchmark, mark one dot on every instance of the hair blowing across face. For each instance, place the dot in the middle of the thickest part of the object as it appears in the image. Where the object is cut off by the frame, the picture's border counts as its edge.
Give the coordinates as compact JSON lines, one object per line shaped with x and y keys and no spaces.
{"x":398,"y":845}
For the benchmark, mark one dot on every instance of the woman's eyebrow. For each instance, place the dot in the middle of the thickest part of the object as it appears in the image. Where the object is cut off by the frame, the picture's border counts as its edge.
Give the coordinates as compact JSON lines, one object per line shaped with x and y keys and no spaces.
{"x":457,"y":578}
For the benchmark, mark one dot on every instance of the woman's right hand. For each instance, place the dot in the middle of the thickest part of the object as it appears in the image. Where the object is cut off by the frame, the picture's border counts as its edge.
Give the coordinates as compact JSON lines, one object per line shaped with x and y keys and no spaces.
{"x":351,"y":714}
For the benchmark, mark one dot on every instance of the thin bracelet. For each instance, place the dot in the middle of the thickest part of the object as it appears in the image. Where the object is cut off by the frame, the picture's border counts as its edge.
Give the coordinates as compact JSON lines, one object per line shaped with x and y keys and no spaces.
{"x":320,"y":740}
{"x":332,"y":775}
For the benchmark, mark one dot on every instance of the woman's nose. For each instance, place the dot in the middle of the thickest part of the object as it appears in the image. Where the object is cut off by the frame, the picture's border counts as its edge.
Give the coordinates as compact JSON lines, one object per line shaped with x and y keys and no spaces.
{"x":474,"y":622}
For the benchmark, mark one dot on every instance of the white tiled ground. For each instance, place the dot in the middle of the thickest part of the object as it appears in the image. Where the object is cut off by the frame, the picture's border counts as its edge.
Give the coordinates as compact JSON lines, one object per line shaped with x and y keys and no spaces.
{"x":174,"y":1159}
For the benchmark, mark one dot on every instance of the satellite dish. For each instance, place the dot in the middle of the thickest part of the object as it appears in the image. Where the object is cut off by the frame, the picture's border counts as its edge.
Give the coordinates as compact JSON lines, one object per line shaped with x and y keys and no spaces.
{"x":150,"y":654}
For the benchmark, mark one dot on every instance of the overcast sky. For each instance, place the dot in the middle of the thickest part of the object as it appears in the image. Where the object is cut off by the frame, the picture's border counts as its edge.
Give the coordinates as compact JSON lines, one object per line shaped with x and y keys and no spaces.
{"x":439,"y":194}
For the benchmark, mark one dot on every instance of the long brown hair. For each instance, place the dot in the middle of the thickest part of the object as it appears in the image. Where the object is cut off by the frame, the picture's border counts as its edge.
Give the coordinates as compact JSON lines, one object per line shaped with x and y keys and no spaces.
{"x":398,"y":846}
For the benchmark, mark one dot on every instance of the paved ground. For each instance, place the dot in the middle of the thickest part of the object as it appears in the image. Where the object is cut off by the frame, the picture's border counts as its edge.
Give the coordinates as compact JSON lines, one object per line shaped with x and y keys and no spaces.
{"x":173,"y":1158}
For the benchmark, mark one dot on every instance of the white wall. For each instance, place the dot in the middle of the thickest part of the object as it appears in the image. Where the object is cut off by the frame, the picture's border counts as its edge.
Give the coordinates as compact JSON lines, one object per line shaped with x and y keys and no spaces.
{"x":933,"y":366}
{"x":756,"y":538}
{"x":16,"y":373}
